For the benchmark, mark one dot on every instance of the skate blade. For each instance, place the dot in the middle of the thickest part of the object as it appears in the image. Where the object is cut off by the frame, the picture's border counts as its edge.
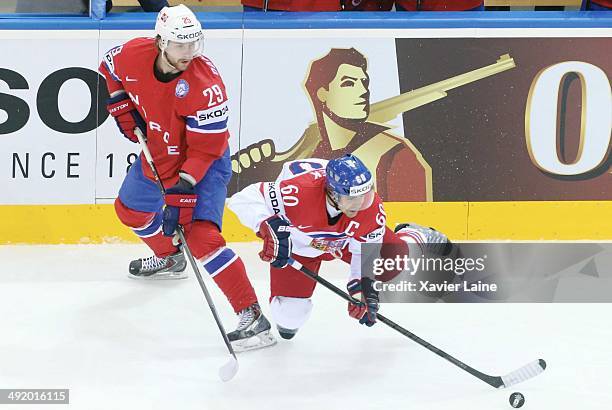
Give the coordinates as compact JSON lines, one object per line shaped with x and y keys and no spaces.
{"x":160,"y":276}
{"x":259,"y":341}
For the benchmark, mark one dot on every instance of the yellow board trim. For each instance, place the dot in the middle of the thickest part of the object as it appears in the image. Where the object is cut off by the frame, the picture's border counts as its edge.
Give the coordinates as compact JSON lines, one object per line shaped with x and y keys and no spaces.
{"x":551,"y":220}
{"x":546,"y":220}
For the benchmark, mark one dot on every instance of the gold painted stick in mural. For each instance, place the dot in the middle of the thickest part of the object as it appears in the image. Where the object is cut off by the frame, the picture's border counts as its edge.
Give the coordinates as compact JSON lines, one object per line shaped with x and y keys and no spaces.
{"x":390,"y":108}
{"x":254,"y":158}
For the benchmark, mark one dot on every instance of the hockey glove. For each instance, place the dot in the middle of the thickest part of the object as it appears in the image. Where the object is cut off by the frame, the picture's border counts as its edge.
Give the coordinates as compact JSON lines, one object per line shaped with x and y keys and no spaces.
{"x":433,"y":242}
{"x":178,"y":198}
{"x":277,"y":241}
{"x":363,"y":290}
{"x":126,"y":115}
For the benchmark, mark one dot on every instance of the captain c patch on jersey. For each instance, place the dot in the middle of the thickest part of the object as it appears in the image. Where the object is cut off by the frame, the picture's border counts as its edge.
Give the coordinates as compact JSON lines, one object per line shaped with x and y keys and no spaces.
{"x":213,"y":115}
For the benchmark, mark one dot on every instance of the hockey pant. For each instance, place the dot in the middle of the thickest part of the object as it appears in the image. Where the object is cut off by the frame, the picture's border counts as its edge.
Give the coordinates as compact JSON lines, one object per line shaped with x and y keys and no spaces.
{"x":291,"y":290}
{"x":139,"y":206}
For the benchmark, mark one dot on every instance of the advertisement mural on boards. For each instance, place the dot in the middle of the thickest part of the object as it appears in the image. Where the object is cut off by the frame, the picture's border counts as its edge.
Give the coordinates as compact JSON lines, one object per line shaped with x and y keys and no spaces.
{"x":318,"y":102}
{"x":484,"y":119}
{"x":538,"y":132}
{"x":444,"y":119}
{"x":49,"y":114}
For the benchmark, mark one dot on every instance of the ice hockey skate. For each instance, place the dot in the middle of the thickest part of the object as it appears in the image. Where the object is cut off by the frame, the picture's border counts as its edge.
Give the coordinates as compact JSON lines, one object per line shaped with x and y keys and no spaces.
{"x":154,"y":268}
{"x":253,"y":330}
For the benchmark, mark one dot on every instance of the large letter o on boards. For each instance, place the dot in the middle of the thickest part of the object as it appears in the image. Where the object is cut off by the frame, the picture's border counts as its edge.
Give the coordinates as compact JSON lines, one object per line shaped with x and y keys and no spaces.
{"x":541,"y":118}
{"x":48,"y":104}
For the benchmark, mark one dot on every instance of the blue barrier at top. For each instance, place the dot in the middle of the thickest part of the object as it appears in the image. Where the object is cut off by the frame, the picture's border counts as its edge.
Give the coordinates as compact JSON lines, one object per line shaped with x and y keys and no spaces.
{"x":344,"y":20}
{"x":389,"y":20}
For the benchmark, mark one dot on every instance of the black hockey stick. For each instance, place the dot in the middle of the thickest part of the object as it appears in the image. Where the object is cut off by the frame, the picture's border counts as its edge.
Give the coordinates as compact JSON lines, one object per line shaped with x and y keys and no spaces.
{"x":526,"y":372}
{"x":229,"y":369}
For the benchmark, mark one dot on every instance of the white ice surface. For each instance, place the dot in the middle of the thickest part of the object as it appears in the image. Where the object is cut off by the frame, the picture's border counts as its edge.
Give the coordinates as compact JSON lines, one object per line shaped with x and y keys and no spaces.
{"x":72,"y":319}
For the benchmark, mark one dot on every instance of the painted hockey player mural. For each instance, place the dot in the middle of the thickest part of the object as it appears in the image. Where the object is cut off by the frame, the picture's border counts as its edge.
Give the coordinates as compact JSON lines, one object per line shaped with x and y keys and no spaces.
{"x":338,"y":86}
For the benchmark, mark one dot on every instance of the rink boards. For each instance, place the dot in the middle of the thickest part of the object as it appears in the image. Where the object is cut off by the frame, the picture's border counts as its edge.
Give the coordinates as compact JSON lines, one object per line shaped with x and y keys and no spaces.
{"x":504,"y":149}
{"x":570,"y":220}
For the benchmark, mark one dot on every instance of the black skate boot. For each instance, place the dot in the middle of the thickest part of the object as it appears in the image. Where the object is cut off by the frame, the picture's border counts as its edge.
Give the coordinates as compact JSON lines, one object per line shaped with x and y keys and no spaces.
{"x":170,"y":267}
{"x":252,"y":332}
{"x":286,"y":333}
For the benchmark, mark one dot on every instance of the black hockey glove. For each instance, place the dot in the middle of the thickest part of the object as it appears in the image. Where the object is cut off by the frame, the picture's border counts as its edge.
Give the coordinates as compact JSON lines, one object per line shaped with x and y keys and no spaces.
{"x":277,"y":241}
{"x":363,"y":290}
{"x":179,"y":198}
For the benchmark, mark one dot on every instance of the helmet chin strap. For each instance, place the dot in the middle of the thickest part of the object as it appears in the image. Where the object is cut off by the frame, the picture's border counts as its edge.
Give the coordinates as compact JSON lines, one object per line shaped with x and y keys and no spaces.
{"x":164,"y":59}
{"x":332,"y":201}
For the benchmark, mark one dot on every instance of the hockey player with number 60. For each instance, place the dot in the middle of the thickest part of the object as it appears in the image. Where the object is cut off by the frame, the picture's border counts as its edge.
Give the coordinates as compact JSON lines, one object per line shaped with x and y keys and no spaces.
{"x":175,"y":95}
{"x":319,"y":211}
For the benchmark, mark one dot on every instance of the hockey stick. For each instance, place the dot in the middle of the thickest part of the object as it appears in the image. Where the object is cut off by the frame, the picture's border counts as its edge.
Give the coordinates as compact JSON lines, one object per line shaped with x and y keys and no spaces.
{"x":520,"y":375}
{"x":229,"y":369}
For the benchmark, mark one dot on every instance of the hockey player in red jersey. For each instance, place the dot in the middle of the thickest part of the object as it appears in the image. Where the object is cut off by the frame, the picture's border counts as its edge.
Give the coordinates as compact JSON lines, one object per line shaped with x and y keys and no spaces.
{"x":319,"y":211}
{"x":439,"y":5}
{"x":292,"y":5}
{"x":175,"y":95}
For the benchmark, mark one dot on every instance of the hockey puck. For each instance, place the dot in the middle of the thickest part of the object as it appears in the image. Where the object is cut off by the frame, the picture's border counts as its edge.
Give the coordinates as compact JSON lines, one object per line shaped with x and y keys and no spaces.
{"x":517,"y":400}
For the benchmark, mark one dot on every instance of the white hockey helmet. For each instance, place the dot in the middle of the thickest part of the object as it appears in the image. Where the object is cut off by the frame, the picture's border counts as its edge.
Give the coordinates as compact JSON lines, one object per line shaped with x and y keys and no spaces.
{"x":178,"y":24}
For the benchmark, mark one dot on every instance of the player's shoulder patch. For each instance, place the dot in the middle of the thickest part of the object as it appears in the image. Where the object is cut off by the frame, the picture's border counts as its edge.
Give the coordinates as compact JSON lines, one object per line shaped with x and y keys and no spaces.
{"x":120,"y":56}
{"x":109,"y":60}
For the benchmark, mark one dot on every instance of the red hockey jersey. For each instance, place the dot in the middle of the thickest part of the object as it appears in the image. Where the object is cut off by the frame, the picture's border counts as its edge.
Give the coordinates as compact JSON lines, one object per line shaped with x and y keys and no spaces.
{"x":299,"y":195}
{"x":440,"y":5}
{"x":186,"y":118}
{"x":368,"y":5}
{"x":603,"y":3}
{"x":296,"y":5}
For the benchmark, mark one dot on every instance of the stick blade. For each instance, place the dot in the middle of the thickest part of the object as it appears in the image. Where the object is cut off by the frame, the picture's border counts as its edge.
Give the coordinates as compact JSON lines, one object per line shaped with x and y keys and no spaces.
{"x":526,"y":372}
{"x":229,"y":369}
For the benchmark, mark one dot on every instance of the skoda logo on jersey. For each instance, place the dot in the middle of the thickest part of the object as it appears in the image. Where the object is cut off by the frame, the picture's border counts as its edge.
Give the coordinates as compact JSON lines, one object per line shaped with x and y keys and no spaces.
{"x":182,"y":88}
